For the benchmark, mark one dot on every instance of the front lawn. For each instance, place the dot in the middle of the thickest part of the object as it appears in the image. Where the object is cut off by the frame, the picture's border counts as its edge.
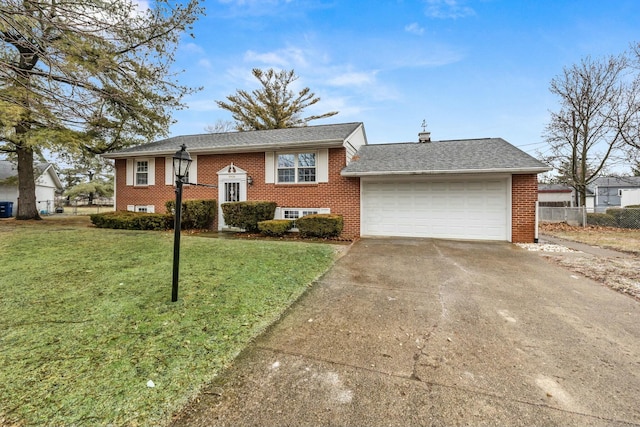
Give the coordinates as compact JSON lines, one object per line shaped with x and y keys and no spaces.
{"x":89,"y":335}
{"x":620,"y":239}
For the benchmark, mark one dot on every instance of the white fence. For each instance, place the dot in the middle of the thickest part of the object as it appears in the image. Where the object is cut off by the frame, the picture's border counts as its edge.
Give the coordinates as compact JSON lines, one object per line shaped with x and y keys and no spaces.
{"x":572,"y":216}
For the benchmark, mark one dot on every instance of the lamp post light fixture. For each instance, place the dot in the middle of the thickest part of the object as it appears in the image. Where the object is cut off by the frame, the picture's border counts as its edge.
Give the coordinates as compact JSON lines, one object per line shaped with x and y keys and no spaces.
{"x":181,"y":162}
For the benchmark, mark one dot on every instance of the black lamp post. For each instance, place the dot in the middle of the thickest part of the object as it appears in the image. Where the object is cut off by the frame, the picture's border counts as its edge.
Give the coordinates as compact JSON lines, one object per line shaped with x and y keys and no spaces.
{"x":181,"y":162}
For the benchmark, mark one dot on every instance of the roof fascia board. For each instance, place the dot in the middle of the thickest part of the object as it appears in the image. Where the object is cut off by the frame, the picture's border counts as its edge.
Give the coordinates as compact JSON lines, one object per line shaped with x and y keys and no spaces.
{"x":55,"y":177}
{"x":232,"y":149}
{"x":449,"y":172}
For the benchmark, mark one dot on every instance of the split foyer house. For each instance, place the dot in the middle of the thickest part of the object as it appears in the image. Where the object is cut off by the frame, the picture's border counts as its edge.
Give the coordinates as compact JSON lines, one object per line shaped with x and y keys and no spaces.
{"x":462,"y":189}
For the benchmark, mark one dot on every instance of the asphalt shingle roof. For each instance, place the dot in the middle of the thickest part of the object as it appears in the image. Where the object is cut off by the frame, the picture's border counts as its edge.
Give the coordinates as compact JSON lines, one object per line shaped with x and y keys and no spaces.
{"x":616,"y":181}
{"x":245,"y":141}
{"x":8,"y":169}
{"x":468,"y":156}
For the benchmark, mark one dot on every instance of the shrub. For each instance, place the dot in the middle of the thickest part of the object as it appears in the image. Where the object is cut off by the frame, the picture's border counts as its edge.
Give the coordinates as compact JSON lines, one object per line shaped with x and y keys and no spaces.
{"x":247,"y":215}
{"x":320,"y":225}
{"x":602,"y":219}
{"x":275,"y":227}
{"x":625,"y":218}
{"x":125,"y":220}
{"x":196,"y":214}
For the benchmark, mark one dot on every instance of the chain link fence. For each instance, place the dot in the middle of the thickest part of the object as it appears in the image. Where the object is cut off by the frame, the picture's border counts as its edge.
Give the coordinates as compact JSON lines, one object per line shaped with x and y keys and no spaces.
{"x":613,"y":217}
{"x":572,"y":216}
{"x":616,"y":217}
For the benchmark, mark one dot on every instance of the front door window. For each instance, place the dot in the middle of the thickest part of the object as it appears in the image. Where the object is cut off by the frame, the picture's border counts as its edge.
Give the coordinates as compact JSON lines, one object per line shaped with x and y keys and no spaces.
{"x":232,"y":191}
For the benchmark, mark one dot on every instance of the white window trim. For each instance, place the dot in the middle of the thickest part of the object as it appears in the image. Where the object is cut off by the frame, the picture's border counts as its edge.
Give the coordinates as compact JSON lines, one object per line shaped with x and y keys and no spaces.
{"x":141,"y":208}
{"x":322,"y":166}
{"x":132,"y":165}
{"x":280,"y":213}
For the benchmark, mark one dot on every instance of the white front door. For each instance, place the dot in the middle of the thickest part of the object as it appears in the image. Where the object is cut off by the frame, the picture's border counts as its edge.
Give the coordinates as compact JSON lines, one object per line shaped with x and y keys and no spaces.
{"x":232,"y":187}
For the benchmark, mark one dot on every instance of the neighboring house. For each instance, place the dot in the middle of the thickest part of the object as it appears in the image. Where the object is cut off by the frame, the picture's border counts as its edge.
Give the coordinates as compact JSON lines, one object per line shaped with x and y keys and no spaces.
{"x":465,"y":189}
{"x":47,"y":184}
{"x":607,"y":191}
{"x":556,"y":195}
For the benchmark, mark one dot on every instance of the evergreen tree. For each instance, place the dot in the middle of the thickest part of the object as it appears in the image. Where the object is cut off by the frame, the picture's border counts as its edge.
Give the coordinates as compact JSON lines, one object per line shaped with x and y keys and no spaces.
{"x":88,"y":76}
{"x":274,"y":105}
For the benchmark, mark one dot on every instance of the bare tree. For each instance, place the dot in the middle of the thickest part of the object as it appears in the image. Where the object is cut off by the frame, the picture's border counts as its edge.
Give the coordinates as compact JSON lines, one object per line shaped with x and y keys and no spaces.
{"x":89,"y":76}
{"x":631,"y":134}
{"x":597,"y":107}
{"x":221,"y":126}
{"x":274,"y":105}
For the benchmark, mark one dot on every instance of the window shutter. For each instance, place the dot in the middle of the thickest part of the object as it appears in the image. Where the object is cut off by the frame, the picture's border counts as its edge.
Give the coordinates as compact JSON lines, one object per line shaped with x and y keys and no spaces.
{"x":152,"y":171}
{"x":130,"y":166}
{"x":269,"y":167}
{"x":168,"y":171}
{"x":193,"y":170}
{"x":323,"y":165}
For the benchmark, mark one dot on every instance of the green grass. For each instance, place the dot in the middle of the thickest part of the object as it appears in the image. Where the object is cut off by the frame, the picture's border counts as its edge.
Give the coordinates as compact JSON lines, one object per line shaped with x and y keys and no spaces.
{"x":86,"y":318}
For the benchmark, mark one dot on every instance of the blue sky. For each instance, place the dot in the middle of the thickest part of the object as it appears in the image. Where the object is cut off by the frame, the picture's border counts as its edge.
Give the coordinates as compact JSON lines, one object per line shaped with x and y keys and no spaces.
{"x":470,"y":68}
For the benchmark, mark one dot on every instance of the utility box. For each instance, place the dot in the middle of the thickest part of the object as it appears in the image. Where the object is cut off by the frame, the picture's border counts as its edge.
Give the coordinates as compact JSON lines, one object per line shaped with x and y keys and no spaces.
{"x":6,"y":209}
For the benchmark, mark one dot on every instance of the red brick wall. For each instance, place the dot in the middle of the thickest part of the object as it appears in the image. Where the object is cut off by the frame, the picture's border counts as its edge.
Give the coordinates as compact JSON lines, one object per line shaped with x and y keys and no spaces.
{"x":524,"y":194}
{"x":340,"y":194}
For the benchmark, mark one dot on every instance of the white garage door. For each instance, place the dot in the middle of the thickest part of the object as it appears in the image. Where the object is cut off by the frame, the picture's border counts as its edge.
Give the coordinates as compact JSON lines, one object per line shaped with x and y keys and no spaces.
{"x":470,"y":209}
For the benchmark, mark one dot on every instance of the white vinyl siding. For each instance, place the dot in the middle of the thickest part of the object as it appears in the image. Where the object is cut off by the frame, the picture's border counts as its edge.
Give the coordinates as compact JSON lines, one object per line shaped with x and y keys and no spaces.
{"x":470,"y":209}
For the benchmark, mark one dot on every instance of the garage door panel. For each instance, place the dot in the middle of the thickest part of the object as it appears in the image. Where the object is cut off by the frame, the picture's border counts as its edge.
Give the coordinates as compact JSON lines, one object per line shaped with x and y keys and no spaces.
{"x":472,"y":209}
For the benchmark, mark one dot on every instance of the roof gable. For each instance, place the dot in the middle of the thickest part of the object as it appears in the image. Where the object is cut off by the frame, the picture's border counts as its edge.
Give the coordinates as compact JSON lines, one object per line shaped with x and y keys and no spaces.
{"x":10,"y":170}
{"x":616,"y":181}
{"x":454,"y":156}
{"x":272,"y":139}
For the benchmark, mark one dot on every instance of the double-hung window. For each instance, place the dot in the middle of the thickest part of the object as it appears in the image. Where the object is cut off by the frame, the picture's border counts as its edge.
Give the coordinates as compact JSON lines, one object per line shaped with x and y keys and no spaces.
{"x":142,"y":172}
{"x":296,"y":168}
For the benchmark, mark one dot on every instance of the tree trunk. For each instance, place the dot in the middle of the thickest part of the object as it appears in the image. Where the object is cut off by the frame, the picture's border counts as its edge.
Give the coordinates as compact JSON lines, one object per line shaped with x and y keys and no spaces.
{"x":27,"y":208}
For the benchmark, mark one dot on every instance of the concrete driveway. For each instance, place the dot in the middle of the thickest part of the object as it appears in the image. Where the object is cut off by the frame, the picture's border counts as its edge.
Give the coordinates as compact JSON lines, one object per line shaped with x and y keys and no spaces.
{"x":429,"y":332}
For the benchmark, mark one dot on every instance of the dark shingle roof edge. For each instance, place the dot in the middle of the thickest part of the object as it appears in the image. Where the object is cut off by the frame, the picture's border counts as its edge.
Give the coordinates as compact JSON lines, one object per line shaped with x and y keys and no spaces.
{"x":485,"y":155}
{"x":302,"y":137}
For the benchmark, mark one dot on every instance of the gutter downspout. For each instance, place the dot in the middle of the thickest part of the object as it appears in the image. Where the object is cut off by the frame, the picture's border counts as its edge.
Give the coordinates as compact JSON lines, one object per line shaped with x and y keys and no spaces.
{"x":535,"y":234}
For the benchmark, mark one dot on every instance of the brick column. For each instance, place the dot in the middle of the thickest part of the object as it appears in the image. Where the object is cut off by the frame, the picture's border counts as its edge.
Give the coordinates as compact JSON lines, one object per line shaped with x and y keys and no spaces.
{"x":524,"y":194}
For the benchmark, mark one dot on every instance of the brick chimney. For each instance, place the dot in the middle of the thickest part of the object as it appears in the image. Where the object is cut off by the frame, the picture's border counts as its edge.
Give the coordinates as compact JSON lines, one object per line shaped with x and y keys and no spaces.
{"x":424,"y":136}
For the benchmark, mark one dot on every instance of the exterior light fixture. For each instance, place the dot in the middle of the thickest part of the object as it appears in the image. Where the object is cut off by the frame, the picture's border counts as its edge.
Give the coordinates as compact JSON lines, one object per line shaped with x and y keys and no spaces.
{"x":249,"y":180}
{"x":181,"y":162}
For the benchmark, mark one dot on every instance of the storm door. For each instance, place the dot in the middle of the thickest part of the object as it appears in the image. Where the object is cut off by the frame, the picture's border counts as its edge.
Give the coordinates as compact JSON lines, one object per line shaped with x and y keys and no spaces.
{"x":232,"y":187}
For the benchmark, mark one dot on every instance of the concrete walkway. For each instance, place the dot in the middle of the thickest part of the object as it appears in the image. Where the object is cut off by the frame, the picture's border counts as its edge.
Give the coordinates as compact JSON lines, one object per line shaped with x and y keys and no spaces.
{"x":424,"y":332}
{"x":583,"y":247}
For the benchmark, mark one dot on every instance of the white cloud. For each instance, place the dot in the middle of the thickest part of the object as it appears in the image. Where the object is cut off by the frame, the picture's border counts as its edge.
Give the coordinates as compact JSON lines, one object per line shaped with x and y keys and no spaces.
{"x":353,"y":79}
{"x":191,"y":48}
{"x":289,"y":57}
{"x":202,"y":105}
{"x":204,"y":63}
{"x":448,"y":9}
{"x":253,"y":2}
{"x":414,"y":28}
